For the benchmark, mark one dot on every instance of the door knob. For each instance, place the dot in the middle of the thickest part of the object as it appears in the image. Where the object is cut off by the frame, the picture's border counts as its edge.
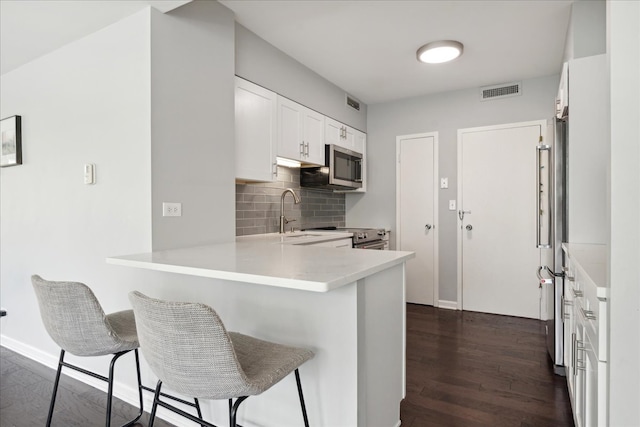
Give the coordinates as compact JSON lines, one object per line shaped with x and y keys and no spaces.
{"x":428,"y":226}
{"x":469,"y":227}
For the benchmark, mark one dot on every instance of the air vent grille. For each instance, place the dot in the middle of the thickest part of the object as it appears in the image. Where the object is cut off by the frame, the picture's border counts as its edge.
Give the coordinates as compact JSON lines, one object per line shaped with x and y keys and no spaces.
{"x":500,"y":91}
{"x":353,"y":103}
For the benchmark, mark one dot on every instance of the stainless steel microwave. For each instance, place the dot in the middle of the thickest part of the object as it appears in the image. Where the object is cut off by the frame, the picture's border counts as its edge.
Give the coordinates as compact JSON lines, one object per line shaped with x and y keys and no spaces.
{"x":342,"y":170}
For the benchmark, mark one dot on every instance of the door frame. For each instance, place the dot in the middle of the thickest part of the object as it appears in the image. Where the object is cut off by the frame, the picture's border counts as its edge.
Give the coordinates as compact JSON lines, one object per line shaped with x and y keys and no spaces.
{"x":436,"y":194}
{"x":543,"y":126}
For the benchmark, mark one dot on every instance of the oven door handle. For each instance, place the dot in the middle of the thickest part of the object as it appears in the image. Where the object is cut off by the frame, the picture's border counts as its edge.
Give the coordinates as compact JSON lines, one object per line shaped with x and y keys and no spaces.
{"x":373,"y":245}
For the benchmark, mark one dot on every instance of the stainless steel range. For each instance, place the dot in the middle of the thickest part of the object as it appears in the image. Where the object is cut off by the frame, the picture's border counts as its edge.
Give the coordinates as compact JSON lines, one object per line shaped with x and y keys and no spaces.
{"x":363,"y":238}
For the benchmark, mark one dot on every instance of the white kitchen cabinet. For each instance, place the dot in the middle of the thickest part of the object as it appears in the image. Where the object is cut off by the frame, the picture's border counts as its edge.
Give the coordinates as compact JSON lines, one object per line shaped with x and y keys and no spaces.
{"x":255,"y":128}
{"x":334,"y":132}
{"x":300,"y":132}
{"x":359,"y":142}
{"x":586,"y":305}
{"x":568,"y":316}
{"x":352,"y":139}
{"x":344,"y":136}
{"x":562,"y":98}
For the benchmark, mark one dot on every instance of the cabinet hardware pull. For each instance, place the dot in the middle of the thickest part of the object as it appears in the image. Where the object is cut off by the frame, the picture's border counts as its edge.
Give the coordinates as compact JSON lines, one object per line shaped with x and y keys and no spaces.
{"x":576,"y":293}
{"x":570,"y":278}
{"x":302,"y":149}
{"x":563,"y":310}
{"x":275,"y":169}
{"x":307,"y":149}
{"x":588,"y":314}
{"x":574,"y":353}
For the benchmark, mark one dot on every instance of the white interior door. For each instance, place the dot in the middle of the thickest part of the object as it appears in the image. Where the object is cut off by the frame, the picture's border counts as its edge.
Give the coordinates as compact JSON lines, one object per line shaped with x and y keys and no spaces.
{"x":417,"y":214}
{"x":497,"y":198}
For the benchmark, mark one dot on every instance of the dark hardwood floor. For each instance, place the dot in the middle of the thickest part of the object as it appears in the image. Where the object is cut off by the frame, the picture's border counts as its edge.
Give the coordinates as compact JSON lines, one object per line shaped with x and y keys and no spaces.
{"x":475,"y":369}
{"x":463,"y":369}
{"x":25,"y":393}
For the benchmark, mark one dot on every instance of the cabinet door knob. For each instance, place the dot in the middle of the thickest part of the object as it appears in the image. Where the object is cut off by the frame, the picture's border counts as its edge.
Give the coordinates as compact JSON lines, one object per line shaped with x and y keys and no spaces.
{"x":469,"y":227}
{"x":428,"y":226}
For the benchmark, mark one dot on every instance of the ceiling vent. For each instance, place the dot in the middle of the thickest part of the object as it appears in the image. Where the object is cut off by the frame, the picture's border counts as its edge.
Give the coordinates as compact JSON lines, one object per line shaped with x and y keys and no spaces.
{"x":500,"y":91}
{"x":351,"y":102}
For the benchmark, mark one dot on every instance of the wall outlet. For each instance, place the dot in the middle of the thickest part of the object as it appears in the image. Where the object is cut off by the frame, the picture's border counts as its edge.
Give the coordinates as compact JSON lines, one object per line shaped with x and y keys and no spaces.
{"x":171,"y":209}
{"x":444,"y":182}
{"x":452,"y":205}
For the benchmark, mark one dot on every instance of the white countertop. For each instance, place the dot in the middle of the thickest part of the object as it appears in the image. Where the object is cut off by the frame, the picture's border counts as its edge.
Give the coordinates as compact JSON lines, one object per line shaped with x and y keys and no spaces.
{"x":265,"y":260}
{"x":592,"y":258}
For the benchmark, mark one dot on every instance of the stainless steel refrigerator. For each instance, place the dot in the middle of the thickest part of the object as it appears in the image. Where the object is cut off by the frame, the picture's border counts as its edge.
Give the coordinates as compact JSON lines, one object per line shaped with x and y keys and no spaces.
{"x":551,"y":232}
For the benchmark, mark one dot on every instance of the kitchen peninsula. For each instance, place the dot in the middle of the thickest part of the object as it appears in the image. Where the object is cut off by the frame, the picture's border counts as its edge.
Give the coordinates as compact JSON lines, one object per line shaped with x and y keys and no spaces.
{"x":346,"y":305}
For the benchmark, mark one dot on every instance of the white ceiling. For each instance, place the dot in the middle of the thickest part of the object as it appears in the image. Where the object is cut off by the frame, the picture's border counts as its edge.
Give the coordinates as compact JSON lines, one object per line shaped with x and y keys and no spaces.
{"x":30,"y":29}
{"x":366,"y":47}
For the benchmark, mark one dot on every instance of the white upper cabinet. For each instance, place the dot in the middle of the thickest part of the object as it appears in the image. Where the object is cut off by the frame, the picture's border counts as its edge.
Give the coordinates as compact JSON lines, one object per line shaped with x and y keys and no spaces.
{"x":300,"y":132}
{"x":352,"y":139}
{"x":256,"y":132}
{"x":562,"y":99}
{"x":359,"y":142}
{"x":344,"y":136}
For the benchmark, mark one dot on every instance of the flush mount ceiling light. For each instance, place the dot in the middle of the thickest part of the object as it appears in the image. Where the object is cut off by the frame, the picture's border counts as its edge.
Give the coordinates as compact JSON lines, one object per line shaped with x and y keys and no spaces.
{"x":439,"y":51}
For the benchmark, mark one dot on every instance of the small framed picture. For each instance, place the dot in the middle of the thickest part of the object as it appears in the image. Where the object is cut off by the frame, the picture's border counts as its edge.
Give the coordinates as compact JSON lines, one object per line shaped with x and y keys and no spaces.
{"x":11,"y":136}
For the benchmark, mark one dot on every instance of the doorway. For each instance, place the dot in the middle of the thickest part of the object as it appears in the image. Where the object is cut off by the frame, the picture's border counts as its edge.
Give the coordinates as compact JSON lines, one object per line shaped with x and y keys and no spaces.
{"x":417,"y":214}
{"x":497,"y":250}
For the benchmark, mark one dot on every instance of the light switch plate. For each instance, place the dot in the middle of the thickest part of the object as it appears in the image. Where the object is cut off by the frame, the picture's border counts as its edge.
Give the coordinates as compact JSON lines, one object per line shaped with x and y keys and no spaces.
{"x":89,"y":171}
{"x":171,"y":209}
{"x":452,"y":205}
{"x":444,"y":182}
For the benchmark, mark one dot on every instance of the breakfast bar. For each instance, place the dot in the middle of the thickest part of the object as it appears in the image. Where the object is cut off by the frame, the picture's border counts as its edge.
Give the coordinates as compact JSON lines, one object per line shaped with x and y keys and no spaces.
{"x":346,"y":305}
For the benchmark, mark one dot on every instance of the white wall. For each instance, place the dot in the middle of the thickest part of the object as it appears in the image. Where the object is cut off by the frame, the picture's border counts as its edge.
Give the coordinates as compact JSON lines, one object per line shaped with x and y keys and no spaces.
{"x":265,"y":65}
{"x":156,"y":122}
{"x":192,"y":131}
{"x":85,"y":103}
{"x":587,"y":150}
{"x":623,"y":40}
{"x":444,"y":113}
{"x":586,"y":35}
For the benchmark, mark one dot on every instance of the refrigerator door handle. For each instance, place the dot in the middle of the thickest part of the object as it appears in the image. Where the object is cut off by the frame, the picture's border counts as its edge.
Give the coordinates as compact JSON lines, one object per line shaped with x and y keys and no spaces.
{"x":539,"y":192}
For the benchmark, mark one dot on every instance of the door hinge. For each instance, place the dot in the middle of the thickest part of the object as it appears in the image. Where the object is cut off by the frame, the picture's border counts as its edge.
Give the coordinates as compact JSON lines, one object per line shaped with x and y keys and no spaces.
{"x":541,"y":138}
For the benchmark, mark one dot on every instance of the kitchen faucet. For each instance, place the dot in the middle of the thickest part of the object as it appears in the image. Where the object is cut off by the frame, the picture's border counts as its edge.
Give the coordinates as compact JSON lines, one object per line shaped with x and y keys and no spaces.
{"x":283,"y":220}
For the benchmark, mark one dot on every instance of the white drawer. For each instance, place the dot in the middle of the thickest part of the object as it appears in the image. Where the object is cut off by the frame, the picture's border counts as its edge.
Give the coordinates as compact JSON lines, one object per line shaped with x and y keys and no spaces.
{"x":590,"y":304}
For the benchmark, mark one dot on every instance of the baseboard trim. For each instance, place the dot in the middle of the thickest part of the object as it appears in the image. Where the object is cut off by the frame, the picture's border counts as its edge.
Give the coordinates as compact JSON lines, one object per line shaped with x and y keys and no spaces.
{"x":449,"y":305}
{"x":120,"y":390}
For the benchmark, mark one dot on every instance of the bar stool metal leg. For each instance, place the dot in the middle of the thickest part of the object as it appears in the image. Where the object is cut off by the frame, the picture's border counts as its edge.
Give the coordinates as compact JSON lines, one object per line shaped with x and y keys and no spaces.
{"x":302,"y":405}
{"x":234,"y":411}
{"x":140,"y":388}
{"x":55,"y":388}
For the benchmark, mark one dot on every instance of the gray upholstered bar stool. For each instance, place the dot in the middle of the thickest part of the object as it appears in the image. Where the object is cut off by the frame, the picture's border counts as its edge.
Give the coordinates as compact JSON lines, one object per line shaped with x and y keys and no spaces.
{"x":189,"y":350}
{"x":75,"y":320}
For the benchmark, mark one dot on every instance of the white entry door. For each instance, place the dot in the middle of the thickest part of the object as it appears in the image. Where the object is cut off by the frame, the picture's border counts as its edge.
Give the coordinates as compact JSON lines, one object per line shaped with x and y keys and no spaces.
{"x":417,"y":210}
{"x":498,"y":255}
